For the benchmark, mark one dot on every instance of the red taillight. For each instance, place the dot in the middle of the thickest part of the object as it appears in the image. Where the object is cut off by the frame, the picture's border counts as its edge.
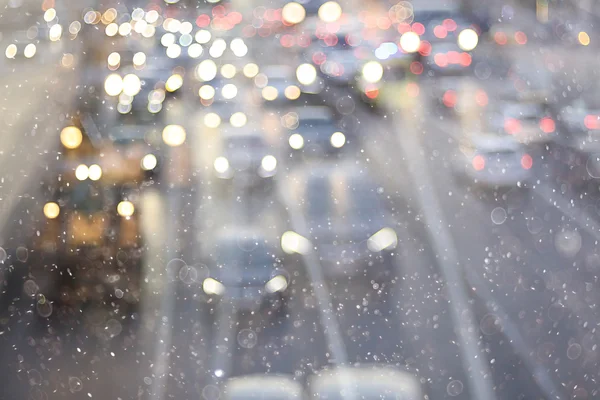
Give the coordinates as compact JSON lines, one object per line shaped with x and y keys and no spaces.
{"x":425,"y":48}
{"x":331,"y":40}
{"x":418,"y":28}
{"x":465,"y":59}
{"x":453,"y":57}
{"x":372,"y":91}
{"x":319,"y":58}
{"x":441,"y":60}
{"x":500,"y":38}
{"x":416,"y":68}
{"x":403,"y":28}
{"x":287,"y":40}
{"x":547,"y":125}
{"x":440,"y":32}
{"x":526,"y":161}
{"x":449,"y":98}
{"x":512,"y":126}
{"x":521,"y":37}
{"x":478,"y":162}
{"x":592,"y":121}
{"x":481,"y":98}
{"x":450,"y":25}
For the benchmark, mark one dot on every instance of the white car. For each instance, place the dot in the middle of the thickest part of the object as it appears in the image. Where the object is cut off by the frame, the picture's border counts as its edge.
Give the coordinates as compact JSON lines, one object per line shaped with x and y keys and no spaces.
{"x":493,"y":161}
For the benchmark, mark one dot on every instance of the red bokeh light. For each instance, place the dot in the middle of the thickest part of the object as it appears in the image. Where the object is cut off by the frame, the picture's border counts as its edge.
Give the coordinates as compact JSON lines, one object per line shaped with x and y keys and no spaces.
{"x":441,"y":60}
{"x":500,"y":38}
{"x":416,"y":68}
{"x":450,"y":25}
{"x":425,"y":48}
{"x":592,"y":122}
{"x":403,"y":28}
{"x":465,"y":59}
{"x":526,"y":161}
{"x":547,"y":125}
{"x":478,"y":162}
{"x":287,"y":40}
{"x":319,"y":58}
{"x":453,"y":57}
{"x":512,"y":126}
{"x":520,"y":37}
{"x":418,"y":28}
{"x":440,"y":32}
{"x":371,"y":91}
{"x":413,"y":89}
{"x":331,"y":40}
{"x":481,"y":98}
{"x":203,"y":20}
{"x":449,"y":98}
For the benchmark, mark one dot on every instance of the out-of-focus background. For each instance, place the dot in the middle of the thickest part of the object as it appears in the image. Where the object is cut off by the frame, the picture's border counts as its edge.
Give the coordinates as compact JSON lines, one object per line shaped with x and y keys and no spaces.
{"x":235,"y":199}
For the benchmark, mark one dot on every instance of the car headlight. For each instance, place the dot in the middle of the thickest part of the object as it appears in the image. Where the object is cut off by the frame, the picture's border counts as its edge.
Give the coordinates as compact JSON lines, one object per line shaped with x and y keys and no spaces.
{"x":296,"y":141}
{"x":51,"y":210}
{"x":277,"y":284}
{"x":468,"y":39}
{"x":372,"y":71}
{"x":125,"y":208}
{"x":149,"y":162}
{"x":213,"y":287}
{"x":338,"y":139}
{"x":269,"y":163}
{"x":386,"y":238}
{"x":221,"y":165}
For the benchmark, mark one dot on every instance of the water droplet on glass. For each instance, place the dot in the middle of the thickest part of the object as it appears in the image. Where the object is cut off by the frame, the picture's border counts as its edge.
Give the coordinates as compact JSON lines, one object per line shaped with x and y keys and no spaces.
{"x":593,"y":166}
{"x":188,"y":274}
{"x":75,"y":384}
{"x":498,"y":215}
{"x":22,"y":254}
{"x":34,"y":376}
{"x":211,"y":392}
{"x":345,"y":105}
{"x":30,"y":288}
{"x":556,"y":311}
{"x":119,"y":293}
{"x":113,"y":328}
{"x":247,"y":338}
{"x":574,"y":351}
{"x":3,"y":255}
{"x":535,"y":225}
{"x":490,"y":324}
{"x":147,"y":380}
{"x":568,"y":243}
{"x":43,"y":307}
{"x":455,"y":388}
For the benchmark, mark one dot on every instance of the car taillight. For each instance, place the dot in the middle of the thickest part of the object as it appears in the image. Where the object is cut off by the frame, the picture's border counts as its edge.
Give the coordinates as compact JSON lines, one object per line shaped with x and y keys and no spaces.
{"x":547,"y":125}
{"x":481,"y":98}
{"x":592,"y":122}
{"x":449,"y":98}
{"x":465,"y":59}
{"x":425,"y":48}
{"x":526,"y":161}
{"x":512,"y":126}
{"x":319,"y":58}
{"x":440,"y":32}
{"x":521,"y":37}
{"x":441,"y":60}
{"x":418,"y":28}
{"x":478,"y":162}
{"x":450,"y":25}
{"x":453,"y":57}
{"x":500,"y":38}
{"x":371,"y":91}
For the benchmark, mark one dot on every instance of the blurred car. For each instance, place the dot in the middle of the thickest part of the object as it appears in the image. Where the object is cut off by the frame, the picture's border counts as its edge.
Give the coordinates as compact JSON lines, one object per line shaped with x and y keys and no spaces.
{"x":493,"y":161}
{"x":316,"y":129}
{"x":347,"y":219}
{"x":222,"y":98}
{"x":263,"y":387}
{"x":340,"y":66}
{"x":282,"y":86}
{"x":246,"y":271}
{"x":447,"y":58}
{"x":94,"y":231}
{"x":527,"y":122}
{"x":365,"y":382}
{"x":245,"y":157}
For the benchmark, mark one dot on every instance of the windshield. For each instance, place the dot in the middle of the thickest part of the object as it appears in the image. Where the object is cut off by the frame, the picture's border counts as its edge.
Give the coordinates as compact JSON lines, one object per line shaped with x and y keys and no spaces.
{"x":310,"y":199}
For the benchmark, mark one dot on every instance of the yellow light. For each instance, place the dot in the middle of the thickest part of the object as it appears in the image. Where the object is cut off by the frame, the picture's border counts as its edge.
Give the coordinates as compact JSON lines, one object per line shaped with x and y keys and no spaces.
{"x":30,"y":50}
{"x":125,"y":208}
{"x":113,"y":85}
{"x":71,"y":137}
{"x":293,"y":13}
{"x":51,"y":210}
{"x":228,"y":71}
{"x":410,"y":42}
{"x":174,"y":83}
{"x":291,"y":243}
{"x":306,"y":74}
{"x":583,"y":38}
{"x":269,"y":163}
{"x":468,"y":39}
{"x":277,"y":284}
{"x":131,"y":84}
{"x":94,"y":172}
{"x":114,"y":59}
{"x":206,"y":92}
{"x":206,"y":70}
{"x":50,"y":14}
{"x":195,"y":50}
{"x":11,"y":51}
{"x":55,"y":33}
{"x":270,"y":93}
{"x":173,"y":135}
{"x":296,"y":141}
{"x":109,"y":16}
{"x":212,"y":120}
{"x":221,"y":165}
{"x":213,"y":287}
{"x":149,"y":162}
{"x":338,"y":139}
{"x":202,"y":36}
{"x":173,"y":51}
{"x":151,"y":16}
{"x":139,"y":59}
{"x":386,"y":238}
{"x":372,"y":71}
{"x":238,"y":119}
{"x":330,"y":11}
{"x":125,"y":29}
{"x":292,"y":92}
{"x":111,"y":29}
{"x":82,"y":172}
{"x":250,"y":70}
{"x":229,"y":91}
{"x":238,"y":47}
{"x":167,"y":39}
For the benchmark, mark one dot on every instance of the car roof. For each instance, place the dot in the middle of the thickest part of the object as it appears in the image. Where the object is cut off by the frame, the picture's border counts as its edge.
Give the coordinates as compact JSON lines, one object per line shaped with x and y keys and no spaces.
{"x":274,"y":387}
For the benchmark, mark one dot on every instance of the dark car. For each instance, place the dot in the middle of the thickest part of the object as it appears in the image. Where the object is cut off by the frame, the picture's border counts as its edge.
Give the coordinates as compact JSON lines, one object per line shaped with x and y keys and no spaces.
{"x":246,"y":270}
{"x":316,"y":130}
{"x":347,"y":220}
